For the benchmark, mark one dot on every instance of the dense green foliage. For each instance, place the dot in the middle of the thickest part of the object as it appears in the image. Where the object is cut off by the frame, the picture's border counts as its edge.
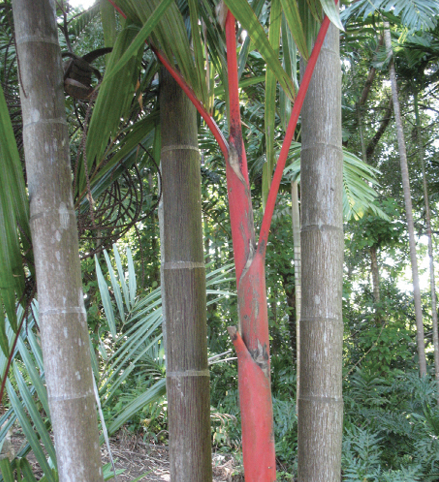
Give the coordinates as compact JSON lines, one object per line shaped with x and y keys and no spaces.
{"x":391,"y":425}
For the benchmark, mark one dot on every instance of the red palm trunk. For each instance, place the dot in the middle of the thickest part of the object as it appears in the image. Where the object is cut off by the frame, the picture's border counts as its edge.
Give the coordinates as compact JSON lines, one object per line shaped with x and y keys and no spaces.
{"x":251,"y":341}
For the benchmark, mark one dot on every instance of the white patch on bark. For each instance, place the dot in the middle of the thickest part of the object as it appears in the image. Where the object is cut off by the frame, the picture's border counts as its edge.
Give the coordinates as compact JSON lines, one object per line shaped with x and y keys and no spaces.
{"x":66,"y":333}
{"x":63,"y":216}
{"x":35,"y":115}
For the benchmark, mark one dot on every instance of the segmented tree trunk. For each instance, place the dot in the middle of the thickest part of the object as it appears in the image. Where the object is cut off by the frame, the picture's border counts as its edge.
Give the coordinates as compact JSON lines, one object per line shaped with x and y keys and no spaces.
{"x":185,"y":287}
{"x":321,"y":331}
{"x":63,"y":321}
{"x":408,"y":209}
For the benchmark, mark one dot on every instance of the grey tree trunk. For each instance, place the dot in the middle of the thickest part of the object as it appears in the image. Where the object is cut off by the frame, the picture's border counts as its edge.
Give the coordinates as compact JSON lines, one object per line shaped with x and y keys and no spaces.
{"x":408,"y":209}
{"x":185,"y":287}
{"x":63,"y":321}
{"x":321,"y":330}
{"x":375,"y":282}
{"x":429,"y":243}
{"x":295,"y":217}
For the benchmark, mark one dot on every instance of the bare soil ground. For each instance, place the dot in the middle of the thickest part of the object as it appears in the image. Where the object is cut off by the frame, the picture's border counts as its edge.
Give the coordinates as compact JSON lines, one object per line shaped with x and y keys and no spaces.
{"x":138,"y":458}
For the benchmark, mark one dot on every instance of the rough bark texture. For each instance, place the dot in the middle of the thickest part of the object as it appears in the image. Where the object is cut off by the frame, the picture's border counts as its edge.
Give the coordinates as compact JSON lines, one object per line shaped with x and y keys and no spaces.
{"x":184,"y":282}
{"x":295,"y":217}
{"x":63,"y":320}
{"x":376,"y":284}
{"x":375,"y":274}
{"x":321,"y":331}
{"x":429,"y":243}
{"x":408,"y":209}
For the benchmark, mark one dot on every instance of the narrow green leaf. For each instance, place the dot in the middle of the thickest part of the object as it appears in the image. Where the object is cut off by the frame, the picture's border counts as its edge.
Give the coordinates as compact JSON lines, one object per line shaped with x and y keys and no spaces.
{"x":34,"y":415}
{"x":122,"y":156}
{"x":131,"y":277}
{"x":246,"y":16}
{"x":294,"y":21}
{"x":14,"y":212}
{"x":94,"y":361}
{"x":244,"y":51}
{"x":121,"y":274}
{"x":27,"y":471}
{"x":151,"y":395}
{"x":35,"y":345}
{"x":3,"y":338}
{"x":247,"y":82}
{"x":270,"y":99}
{"x":332,"y":11}
{"x":34,"y":376}
{"x":106,"y":117}
{"x":170,"y":37}
{"x":289,"y":60}
{"x":198,"y":48}
{"x":106,"y":300}
{"x":29,"y":432}
{"x":115,"y":287}
{"x":6,"y":470}
{"x":108,"y":17}
{"x":139,"y":40}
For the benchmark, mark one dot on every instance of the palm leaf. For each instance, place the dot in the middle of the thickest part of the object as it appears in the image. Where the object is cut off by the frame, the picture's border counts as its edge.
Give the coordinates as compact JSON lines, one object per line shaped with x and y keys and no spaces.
{"x":106,"y":117}
{"x":244,"y":51}
{"x":139,"y":40}
{"x":358,"y":177}
{"x":246,"y":16}
{"x":14,"y":213}
{"x":289,"y":59}
{"x":170,"y":37}
{"x":292,"y":16}
{"x":413,"y":14}
{"x":105,"y":296}
{"x":270,"y":99}
{"x":332,"y":11}
{"x":28,"y":431}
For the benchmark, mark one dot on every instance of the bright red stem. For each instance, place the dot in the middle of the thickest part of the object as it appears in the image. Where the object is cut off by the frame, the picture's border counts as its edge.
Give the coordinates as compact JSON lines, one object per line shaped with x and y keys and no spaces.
{"x":241,"y":212}
{"x":274,"y":188}
{"x":257,"y":417}
{"x":253,"y":348}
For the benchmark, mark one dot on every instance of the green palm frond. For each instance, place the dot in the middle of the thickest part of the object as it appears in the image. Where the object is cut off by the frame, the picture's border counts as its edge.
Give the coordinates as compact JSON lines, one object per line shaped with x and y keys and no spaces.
{"x":138,"y":348}
{"x":14,"y":223}
{"x":359,"y":178}
{"x":413,"y":14}
{"x":29,"y":403}
{"x":248,"y":19}
{"x":107,"y":115}
{"x":132,"y":345}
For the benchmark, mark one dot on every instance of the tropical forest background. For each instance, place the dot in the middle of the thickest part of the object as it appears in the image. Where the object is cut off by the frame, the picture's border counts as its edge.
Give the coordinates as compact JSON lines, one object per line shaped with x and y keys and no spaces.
{"x":391,"y":414}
